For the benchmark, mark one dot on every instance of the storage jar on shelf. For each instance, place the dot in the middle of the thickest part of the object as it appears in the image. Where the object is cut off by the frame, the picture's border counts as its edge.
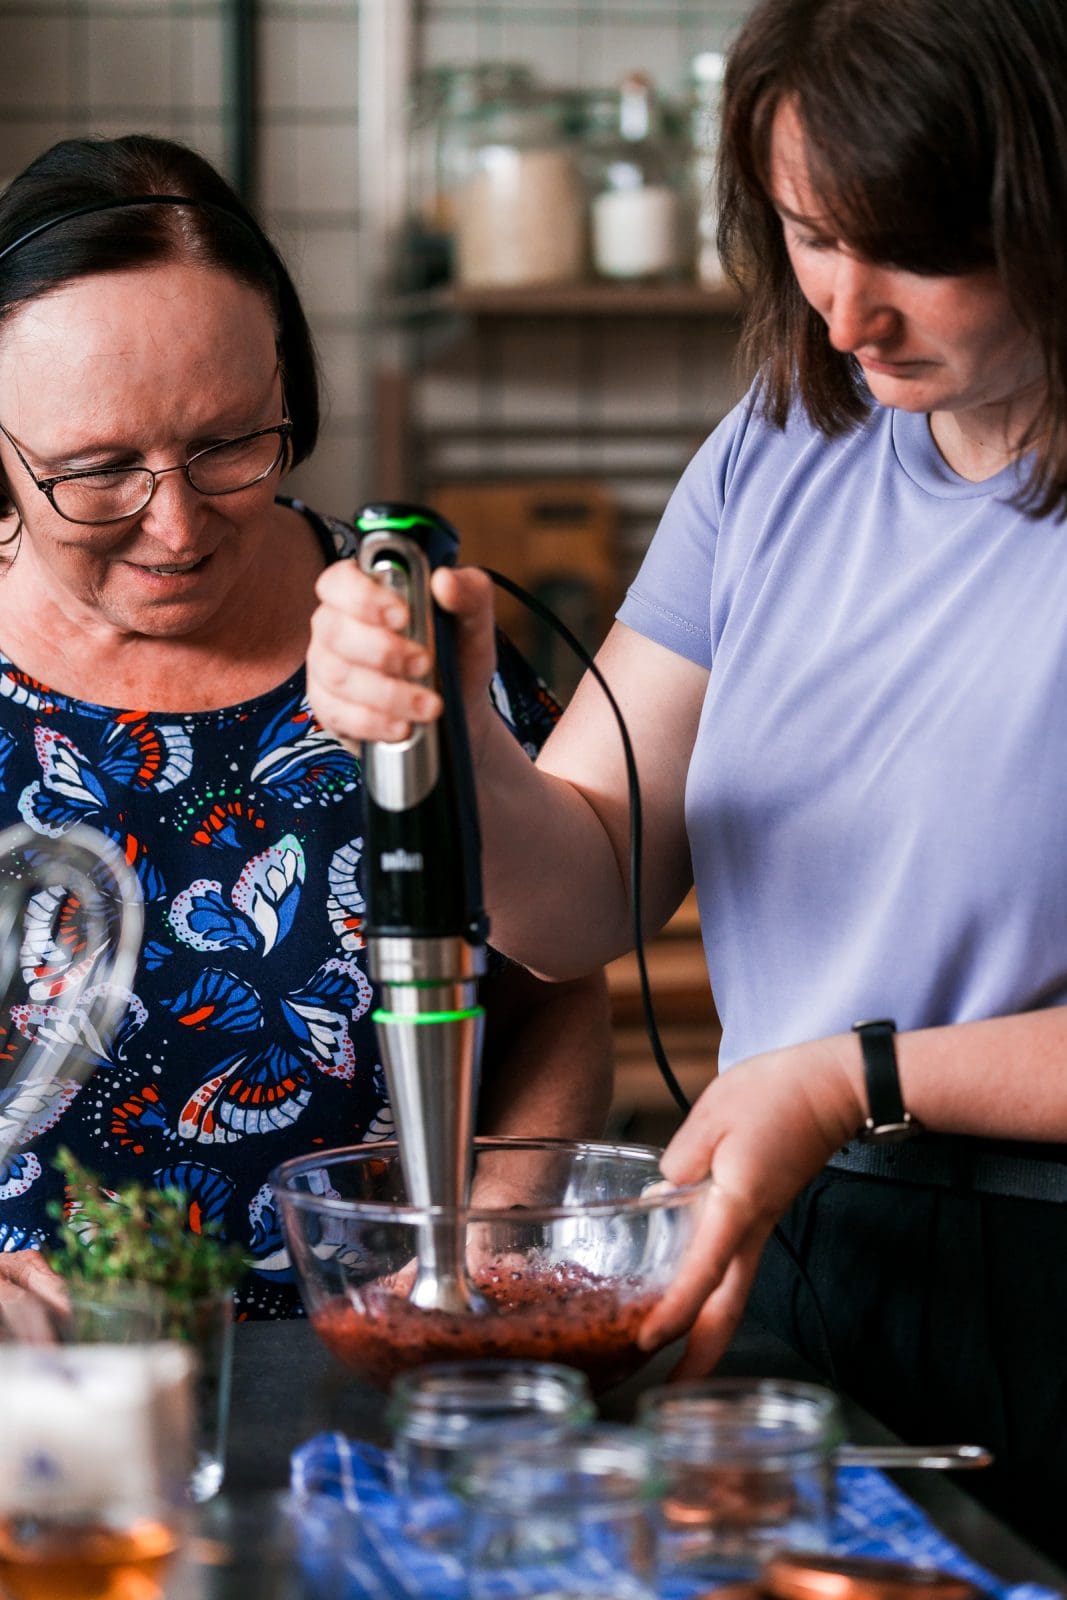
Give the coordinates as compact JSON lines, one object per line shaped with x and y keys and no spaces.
{"x":520,"y":207}
{"x":443,"y":100}
{"x":636,"y":170}
{"x":705,"y":93}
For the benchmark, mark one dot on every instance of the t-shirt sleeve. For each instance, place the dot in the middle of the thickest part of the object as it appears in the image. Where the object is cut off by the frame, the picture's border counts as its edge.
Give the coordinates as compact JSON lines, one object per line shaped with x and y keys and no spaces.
{"x":669,"y":601}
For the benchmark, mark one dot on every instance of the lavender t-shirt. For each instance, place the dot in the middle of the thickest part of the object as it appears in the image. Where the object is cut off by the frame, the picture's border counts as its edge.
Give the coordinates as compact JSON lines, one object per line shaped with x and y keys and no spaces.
{"x":877,"y":798}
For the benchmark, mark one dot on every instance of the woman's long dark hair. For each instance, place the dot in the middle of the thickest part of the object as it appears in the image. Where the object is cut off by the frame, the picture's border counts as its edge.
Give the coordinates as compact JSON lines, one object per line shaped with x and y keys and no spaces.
{"x":217,"y":232}
{"x":936,"y":139}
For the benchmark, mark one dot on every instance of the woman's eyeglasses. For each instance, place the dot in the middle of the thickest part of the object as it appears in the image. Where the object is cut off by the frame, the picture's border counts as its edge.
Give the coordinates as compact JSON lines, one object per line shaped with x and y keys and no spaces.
{"x":111,"y":493}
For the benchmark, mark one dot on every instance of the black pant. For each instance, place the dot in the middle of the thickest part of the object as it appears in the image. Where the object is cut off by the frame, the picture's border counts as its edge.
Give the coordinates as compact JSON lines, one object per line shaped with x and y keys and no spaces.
{"x":947,"y":1319}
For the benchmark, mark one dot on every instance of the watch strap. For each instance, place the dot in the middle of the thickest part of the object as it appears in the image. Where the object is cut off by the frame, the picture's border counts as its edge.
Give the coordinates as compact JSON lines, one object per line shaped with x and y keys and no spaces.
{"x":887,"y":1120}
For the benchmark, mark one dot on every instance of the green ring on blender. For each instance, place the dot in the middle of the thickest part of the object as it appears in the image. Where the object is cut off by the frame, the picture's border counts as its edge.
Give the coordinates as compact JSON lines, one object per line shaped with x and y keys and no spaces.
{"x":427,"y":1016}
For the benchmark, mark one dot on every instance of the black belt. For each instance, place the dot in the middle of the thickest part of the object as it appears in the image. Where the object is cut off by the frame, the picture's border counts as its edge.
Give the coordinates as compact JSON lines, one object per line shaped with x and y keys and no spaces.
{"x":1023,"y":1171}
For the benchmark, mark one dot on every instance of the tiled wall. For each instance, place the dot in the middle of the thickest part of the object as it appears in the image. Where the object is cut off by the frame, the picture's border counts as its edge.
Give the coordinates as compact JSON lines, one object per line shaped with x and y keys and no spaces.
{"x":587,"y":42}
{"x":111,"y":66}
{"x":626,"y":402}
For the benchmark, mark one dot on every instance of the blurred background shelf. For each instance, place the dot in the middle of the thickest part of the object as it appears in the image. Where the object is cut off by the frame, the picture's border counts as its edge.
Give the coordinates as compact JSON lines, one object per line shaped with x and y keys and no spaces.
{"x":569,"y":300}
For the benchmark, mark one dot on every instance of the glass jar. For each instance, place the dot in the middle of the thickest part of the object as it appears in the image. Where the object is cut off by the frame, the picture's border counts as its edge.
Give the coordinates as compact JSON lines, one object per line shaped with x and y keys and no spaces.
{"x":440,"y":1413}
{"x":704,"y":107}
{"x":443,"y":98}
{"x":518,"y":196}
{"x":636,"y":175}
{"x":749,"y":1465}
{"x":575,"y":1519}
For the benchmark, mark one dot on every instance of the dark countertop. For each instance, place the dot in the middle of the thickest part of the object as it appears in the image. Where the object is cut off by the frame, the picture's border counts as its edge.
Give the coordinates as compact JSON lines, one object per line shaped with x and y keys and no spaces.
{"x":287,"y":1387}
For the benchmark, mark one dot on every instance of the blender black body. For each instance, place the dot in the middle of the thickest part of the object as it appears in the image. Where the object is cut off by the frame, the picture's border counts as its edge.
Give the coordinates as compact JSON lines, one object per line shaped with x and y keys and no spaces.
{"x":426,"y":927}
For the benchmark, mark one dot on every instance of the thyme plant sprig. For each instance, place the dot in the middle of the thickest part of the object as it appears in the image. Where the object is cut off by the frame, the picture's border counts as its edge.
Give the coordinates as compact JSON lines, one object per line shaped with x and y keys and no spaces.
{"x":138,"y":1234}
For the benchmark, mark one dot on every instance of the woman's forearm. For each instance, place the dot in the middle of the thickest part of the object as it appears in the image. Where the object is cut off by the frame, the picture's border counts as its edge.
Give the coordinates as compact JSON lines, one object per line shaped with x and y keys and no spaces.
{"x":548,"y":1064}
{"x":1005,"y":1077}
{"x":556,"y":893}
{"x":556,"y":840}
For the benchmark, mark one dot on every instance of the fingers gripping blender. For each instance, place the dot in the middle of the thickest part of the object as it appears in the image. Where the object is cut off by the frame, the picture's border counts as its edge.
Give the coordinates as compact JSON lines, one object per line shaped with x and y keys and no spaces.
{"x":426,"y":927}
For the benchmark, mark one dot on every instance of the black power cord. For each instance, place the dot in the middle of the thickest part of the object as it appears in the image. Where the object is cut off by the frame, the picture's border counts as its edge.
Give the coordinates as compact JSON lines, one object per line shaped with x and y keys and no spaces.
{"x":636,"y":825}
{"x":538,"y":607}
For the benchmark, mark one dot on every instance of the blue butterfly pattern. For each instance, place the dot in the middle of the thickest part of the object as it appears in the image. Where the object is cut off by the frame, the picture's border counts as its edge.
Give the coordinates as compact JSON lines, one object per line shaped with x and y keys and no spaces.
{"x":248,"y":1039}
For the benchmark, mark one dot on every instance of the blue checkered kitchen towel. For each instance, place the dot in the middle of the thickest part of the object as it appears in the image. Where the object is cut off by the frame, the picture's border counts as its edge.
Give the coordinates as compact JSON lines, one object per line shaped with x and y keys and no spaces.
{"x":370,"y":1559}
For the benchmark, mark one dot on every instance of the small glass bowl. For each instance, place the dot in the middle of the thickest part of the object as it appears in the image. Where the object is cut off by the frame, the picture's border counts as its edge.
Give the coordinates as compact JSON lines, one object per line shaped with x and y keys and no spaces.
{"x":572,"y":1244}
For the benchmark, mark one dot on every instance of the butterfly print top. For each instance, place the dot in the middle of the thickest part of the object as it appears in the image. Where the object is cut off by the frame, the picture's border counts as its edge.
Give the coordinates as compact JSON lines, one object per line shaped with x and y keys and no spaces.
{"x":248,"y":1038}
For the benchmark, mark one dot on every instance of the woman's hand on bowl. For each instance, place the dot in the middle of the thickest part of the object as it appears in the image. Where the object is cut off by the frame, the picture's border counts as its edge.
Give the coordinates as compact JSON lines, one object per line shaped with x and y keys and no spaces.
{"x":32,"y":1298}
{"x":364,"y":676}
{"x":763,"y":1129}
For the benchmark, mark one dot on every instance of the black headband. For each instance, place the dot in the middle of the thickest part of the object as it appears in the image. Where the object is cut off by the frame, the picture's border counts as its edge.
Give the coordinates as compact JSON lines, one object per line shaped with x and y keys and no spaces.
{"x":120,"y":205}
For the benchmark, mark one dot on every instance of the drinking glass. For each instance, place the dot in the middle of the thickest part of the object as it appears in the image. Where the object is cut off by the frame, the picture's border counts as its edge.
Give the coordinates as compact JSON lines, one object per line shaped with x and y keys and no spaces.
{"x":119,"y":1312}
{"x":749,"y":1470}
{"x":94,"y":1461}
{"x":128,"y":1312}
{"x":70,"y":933}
{"x":207,"y":1326}
{"x":565,"y":1519}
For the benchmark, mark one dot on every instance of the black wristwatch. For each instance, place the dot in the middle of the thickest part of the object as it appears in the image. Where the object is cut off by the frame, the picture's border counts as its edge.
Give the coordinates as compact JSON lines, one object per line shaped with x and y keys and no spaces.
{"x":887,"y":1121}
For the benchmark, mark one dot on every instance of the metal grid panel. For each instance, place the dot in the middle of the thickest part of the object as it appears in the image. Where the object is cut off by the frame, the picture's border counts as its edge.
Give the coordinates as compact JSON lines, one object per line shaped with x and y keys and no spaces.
{"x":73,"y":67}
{"x":109,"y":66}
{"x":625,"y":403}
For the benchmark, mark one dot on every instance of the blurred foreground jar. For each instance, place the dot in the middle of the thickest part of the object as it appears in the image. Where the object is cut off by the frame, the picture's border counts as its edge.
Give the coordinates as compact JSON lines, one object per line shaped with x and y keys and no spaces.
{"x":443,"y":1413}
{"x":636,"y":177}
{"x":520,"y":208}
{"x":571,"y":1520}
{"x":749,"y":1471}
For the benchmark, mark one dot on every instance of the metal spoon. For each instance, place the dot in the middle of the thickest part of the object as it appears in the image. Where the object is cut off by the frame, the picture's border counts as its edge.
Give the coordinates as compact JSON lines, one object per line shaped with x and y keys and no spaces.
{"x":937,"y":1457}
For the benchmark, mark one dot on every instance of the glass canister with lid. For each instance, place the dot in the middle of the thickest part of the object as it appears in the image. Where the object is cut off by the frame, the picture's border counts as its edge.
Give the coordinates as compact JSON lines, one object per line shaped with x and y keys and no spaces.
{"x":635,"y":166}
{"x":519,"y":198}
{"x":704,"y":105}
{"x":443,"y":100}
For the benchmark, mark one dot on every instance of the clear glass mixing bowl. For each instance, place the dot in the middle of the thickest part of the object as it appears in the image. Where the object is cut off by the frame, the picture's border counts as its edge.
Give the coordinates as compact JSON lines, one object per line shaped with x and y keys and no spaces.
{"x":569,"y":1243}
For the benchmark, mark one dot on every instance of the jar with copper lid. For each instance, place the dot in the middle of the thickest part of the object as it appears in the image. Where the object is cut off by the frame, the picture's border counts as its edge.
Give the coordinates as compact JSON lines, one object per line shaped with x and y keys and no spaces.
{"x":799,"y":1575}
{"x":749,"y":1466}
{"x":805,"y":1575}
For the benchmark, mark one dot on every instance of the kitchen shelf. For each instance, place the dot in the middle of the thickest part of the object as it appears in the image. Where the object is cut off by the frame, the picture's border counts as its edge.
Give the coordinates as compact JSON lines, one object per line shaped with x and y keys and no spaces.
{"x":569,"y":300}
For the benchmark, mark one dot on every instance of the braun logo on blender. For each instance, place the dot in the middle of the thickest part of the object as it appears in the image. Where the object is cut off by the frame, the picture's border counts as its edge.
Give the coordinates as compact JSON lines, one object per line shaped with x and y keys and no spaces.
{"x":401,"y":860}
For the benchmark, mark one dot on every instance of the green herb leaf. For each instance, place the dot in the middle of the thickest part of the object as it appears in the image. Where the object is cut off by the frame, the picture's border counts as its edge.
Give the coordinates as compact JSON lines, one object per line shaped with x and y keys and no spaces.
{"x":138,"y":1234}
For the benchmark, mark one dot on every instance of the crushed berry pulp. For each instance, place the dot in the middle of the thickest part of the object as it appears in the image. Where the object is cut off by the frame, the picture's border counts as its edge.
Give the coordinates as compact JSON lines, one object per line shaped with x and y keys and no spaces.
{"x":559,"y":1313}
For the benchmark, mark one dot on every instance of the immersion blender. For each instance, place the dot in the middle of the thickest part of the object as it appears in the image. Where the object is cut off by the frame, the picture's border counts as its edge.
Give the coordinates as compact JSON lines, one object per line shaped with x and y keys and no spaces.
{"x":426,"y":927}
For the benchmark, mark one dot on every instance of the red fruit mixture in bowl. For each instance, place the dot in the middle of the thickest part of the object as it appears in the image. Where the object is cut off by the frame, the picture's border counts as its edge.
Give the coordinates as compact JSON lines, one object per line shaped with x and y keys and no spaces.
{"x":560,"y":1313}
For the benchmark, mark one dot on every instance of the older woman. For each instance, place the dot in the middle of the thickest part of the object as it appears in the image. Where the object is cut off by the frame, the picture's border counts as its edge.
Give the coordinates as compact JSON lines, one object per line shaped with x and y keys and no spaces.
{"x":156,"y":382}
{"x":843,"y":664}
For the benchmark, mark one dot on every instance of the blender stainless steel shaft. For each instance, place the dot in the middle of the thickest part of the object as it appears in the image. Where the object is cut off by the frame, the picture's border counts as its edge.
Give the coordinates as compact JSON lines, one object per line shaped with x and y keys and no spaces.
{"x":426,"y":928}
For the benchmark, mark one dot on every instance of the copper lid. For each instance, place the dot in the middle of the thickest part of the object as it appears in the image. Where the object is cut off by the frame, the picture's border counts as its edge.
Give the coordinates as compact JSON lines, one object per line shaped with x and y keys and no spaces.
{"x":801,"y":1576}
{"x":733,"y":1591}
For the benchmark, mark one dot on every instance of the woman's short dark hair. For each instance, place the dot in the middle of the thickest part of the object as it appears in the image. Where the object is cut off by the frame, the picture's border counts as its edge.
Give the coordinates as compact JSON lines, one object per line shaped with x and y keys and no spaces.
{"x":936,"y":140}
{"x":218,"y":232}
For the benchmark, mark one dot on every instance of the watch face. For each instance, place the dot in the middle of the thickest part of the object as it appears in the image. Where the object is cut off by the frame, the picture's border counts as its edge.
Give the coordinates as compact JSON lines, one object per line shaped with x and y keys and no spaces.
{"x":814,"y":1577}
